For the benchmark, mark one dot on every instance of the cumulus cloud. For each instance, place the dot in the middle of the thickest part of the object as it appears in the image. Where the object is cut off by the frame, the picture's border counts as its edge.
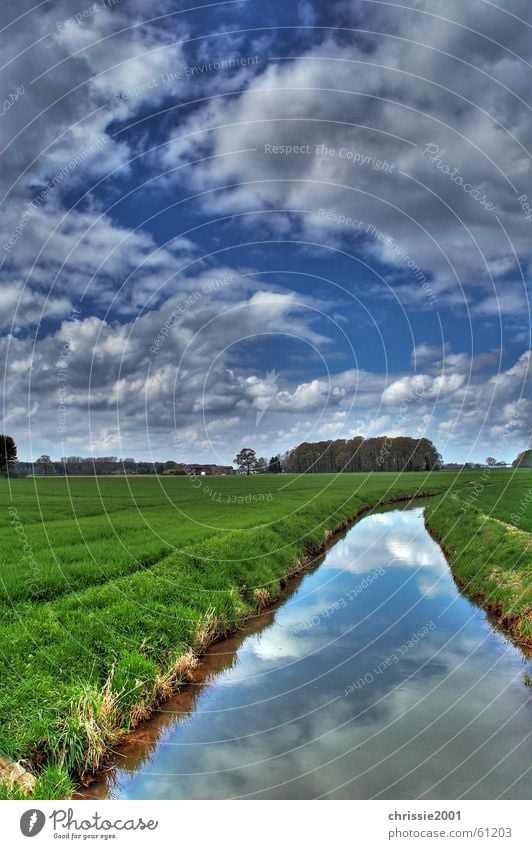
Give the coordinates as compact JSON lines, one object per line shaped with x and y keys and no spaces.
{"x":163,"y":370}
{"x":416,"y":131}
{"x":458,"y":405}
{"x":422,"y":385}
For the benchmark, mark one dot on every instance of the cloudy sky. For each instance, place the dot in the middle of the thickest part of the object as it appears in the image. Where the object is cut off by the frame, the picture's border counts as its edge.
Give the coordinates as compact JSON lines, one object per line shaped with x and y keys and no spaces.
{"x":250,"y":223}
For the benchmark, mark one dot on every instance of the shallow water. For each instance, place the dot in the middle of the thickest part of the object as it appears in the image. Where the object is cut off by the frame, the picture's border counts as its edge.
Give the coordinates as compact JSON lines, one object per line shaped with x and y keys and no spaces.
{"x":376,"y":678}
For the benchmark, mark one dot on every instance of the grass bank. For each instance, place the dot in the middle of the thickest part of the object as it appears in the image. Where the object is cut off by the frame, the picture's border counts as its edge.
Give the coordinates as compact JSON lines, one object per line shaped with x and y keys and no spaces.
{"x":484,"y":527}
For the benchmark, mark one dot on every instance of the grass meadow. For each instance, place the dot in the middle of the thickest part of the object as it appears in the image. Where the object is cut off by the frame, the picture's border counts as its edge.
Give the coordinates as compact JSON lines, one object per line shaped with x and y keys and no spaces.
{"x":485,"y":527}
{"x":111,"y":588}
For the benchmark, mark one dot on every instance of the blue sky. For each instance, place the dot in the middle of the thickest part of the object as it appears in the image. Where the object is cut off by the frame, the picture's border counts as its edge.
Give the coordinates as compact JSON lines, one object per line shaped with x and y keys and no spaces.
{"x":254,"y":224}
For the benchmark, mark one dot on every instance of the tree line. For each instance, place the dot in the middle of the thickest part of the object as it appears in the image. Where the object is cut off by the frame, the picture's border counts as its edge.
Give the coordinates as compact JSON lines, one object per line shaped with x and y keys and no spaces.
{"x":374,"y":454}
{"x":359,"y":454}
{"x":44,"y":465}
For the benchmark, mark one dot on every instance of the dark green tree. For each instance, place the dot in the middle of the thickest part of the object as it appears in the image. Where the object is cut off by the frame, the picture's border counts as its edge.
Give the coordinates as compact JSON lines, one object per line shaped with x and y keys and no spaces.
{"x":274,"y":466}
{"x":523,"y":459}
{"x":8,"y":454}
{"x":246,"y":460}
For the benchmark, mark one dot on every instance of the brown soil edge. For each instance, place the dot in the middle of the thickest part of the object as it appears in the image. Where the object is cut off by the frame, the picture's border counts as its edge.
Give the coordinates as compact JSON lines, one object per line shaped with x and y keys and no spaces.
{"x":507,"y":623}
{"x":184,"y":670}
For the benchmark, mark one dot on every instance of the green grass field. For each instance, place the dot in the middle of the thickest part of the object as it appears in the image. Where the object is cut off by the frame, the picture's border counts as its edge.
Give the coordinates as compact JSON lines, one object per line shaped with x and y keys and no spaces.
{"x":112,"y":587}
{"x":86,"y":531}
{"x":485,"y":528}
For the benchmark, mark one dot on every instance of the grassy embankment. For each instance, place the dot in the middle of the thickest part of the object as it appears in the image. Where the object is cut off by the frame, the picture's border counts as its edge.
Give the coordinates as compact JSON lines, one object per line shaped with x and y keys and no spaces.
{"x":112,"y":588}
{"x":485,"y":527}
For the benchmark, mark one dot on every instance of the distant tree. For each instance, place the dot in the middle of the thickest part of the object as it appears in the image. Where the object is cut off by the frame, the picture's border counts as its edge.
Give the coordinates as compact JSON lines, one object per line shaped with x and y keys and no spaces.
{"x":285,"y":461}
{"x":491,"y":461}
{"x":246,"y":460}
{"x":44,"y":464}
{"x":173,"y":468}
{"x":274,"y":466}
{"x":8,"y":454}
{"x":262,"y":464}
{"x":523,"y":460}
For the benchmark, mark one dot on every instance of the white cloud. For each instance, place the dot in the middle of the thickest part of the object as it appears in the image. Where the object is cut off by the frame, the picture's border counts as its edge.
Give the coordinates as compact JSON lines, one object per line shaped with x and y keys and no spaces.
{"x":409,"y":386}
{"x":424,"y":353}
{"x":436,"y":83}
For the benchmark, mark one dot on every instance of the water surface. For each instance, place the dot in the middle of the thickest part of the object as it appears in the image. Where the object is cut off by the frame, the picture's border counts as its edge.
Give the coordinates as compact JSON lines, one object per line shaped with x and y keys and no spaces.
{"x":376,"y":678}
